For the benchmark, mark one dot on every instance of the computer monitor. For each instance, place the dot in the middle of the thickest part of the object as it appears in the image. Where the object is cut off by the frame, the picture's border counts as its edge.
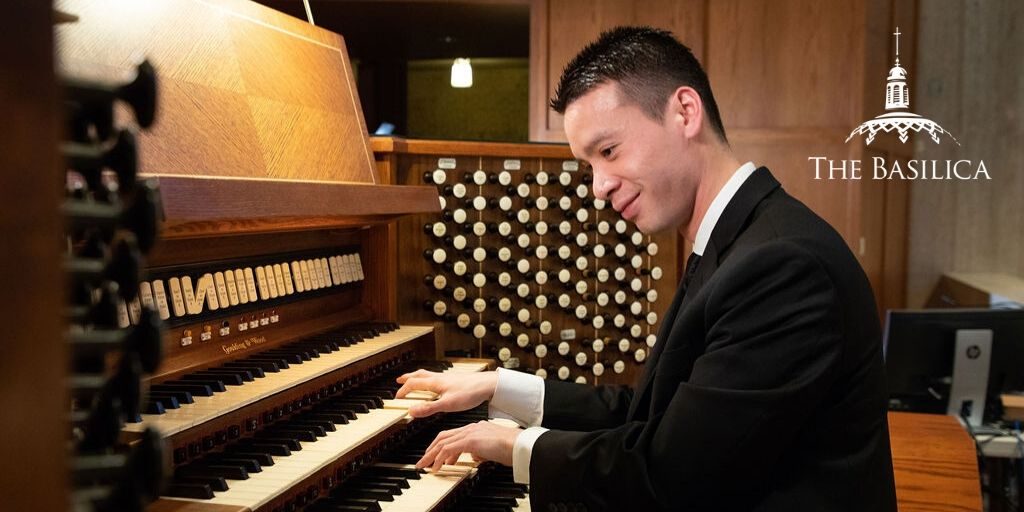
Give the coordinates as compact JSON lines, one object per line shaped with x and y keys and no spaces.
{"x":921,"y":354}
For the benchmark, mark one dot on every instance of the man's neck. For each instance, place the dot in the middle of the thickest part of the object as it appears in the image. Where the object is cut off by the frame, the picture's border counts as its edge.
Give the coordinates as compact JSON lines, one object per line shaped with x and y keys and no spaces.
{"x":721,"y":165}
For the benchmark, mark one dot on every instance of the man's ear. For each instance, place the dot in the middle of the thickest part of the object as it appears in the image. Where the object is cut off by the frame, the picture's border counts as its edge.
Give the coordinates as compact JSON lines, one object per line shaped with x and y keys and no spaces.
{"x":687,"y":110}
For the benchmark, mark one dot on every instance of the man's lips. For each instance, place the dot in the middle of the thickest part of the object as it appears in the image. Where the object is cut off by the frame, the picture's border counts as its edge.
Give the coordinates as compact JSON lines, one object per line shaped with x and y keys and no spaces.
{"x":624,"y":205}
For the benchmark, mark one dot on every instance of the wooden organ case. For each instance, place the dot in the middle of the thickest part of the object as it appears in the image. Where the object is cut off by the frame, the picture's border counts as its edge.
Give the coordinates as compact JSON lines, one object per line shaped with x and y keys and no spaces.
{"x":276,"y":272}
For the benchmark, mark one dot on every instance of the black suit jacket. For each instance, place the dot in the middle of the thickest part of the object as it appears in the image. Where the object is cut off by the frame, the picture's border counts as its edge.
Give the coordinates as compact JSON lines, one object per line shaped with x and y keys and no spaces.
{"x":765,"y":391}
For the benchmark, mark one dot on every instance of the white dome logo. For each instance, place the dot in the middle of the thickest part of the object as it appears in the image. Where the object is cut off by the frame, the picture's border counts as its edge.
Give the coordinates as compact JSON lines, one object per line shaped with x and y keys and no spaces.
{"x":898,"y":117}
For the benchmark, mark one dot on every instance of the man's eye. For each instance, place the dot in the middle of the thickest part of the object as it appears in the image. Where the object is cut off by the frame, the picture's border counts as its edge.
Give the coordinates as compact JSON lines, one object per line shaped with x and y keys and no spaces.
{"x":606,"y":152}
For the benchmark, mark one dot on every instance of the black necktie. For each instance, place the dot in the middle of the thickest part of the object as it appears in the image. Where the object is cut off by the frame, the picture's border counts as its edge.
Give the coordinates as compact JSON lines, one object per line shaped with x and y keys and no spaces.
{"x":691,"y":269}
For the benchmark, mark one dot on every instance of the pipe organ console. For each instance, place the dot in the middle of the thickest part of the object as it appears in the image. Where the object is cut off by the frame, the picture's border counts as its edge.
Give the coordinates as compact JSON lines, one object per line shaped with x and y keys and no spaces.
{"x":275,"y":277}
{"x":248,"y":362}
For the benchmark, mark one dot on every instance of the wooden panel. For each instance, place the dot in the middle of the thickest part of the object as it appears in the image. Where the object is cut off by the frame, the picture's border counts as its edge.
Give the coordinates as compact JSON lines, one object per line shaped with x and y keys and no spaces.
{"x":204,"y":206}
{"x":794,"y":52}
{"x":245,"y":93}
{"x":786,"y":153}
{"x":33,"y":428}
{"x":934,"y":464}
{"x":561,"y":28}
{"x":968,"y":81}
{"x":383,"y":145}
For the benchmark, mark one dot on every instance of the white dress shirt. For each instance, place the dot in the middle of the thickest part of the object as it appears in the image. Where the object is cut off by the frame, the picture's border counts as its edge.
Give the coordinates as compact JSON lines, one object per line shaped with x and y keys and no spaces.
{"x":520,"y":396}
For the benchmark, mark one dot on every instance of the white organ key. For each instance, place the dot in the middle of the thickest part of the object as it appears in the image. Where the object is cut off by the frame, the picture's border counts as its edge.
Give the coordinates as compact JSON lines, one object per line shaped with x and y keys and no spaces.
{"x":261,"y":283}
{"x":222,"y":289}
{"x":122,"y":314}
{"x":328,"y":281}
{"x":146,"y":295}
{"x":268,"y":271}
{"x":347,"y":269}
{"x":177,"y":298}
{"x":210,"y":290}
{"x":190,"y":296}
{"x":343,"y":270}
{"x":243,"y":293}
{"x":260,"y":488}
{"x":286,"y":273}
{"x":134,"y":310}
{"x":359,"y":267}
{"x":322,"y":273}
{"x":229,"y":282}
{"x":307,"y":283}
{"x":318,"y":274}
{"x":207,"y":408}
{"x":332,"y":263}
{"x":300,"y":284}
{"x":314,"y":276}
{"x":279,"y":279}
{"x":160,"y":297}
{"x":250,"y":284}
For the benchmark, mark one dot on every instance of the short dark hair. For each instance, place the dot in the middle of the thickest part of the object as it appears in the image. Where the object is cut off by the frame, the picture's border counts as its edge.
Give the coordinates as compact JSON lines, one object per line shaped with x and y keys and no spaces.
{"x":647,"y":63}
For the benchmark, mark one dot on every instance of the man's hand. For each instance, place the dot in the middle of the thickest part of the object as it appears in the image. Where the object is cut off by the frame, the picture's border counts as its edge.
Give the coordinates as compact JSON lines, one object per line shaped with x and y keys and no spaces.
{"x":483,"y":440}
{"x":457,"y":391}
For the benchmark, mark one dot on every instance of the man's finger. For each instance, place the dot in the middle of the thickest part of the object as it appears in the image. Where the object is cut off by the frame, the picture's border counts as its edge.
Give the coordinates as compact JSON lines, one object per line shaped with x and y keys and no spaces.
{"x":416,"y":384}
{"x":406,"y":376}
{"x":426,"y":408}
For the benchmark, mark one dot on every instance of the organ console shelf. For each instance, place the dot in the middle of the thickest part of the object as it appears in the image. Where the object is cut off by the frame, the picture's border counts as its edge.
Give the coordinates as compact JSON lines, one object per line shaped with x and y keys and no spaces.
{"x":196,"y":206}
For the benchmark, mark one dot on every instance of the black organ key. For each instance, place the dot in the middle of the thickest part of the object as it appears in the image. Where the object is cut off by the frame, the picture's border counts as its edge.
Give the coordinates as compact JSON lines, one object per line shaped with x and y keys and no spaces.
{"x":370,"y":505}
{"x":190,"y":490}
{"x":251,"y":465}
{"x":369,"y":494}
{"x":336,"y":418}
{"x":229,"y":379}
{"x":293,"y":356}
{"x":204,"y":470}
{"x":265,"y":459}
{"x":290,"y":435}
{"x":268,"y":363}
{"x":181,"y":397}
{"x":193,"y":388}
{"x":216,"y":483}
{"x":357,"y":407}
{"x":154,"y":407}
{"x":257,"y":370}
{"x":245,"y":374}
{"x":324,"y":425}
{"x":406,"y":473}
{"x":273,"y":445}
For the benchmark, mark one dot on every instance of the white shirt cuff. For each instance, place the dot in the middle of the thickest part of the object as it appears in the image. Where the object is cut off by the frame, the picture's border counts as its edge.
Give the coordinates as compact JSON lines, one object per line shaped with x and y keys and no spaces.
{"x":519,"y":397}
{"x":522,"y":451}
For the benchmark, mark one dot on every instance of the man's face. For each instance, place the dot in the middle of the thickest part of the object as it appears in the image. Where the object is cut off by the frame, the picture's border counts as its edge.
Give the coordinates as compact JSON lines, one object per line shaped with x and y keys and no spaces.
{"x":640,"y":165}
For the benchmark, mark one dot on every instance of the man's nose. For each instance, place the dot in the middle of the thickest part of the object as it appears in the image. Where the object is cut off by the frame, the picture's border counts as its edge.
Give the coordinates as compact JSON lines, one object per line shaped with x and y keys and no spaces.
{"x":603,"y":185}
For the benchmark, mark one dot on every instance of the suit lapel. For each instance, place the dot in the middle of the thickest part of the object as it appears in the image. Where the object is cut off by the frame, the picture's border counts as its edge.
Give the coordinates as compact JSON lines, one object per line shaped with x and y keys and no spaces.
{"x":731,"y":223}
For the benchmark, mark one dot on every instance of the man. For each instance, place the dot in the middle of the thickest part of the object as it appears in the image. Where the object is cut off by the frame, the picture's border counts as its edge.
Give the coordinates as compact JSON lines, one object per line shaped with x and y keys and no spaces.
{"x":765,"y":391}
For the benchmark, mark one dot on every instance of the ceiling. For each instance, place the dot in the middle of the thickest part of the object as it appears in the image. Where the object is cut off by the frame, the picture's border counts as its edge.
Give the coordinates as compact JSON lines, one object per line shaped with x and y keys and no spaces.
{"x":415,"y":30}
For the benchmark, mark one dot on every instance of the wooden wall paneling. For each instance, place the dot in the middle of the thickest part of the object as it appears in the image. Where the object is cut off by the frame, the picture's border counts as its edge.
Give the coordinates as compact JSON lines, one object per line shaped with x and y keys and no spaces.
{"x":560,"y":28}
{"x":786,"y":153}
{"x":242,"y":93}
{"x":33,"y":428}
{"x":895,"y":246}
{"x":784,"y":64}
